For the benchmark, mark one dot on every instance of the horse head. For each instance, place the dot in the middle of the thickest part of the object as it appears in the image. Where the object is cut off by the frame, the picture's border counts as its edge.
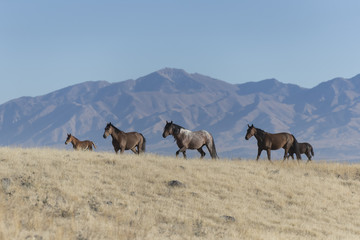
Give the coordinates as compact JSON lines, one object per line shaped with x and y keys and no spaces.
{"x":250,"y":132}
{"x":108,"y":130}
{"x":168,"y":129}
{"x":68,"y":139}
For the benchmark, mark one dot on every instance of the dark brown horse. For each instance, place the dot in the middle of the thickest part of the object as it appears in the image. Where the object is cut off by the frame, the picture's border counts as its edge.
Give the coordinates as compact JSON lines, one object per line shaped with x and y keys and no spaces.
{"x":269,"y":141}
{"x":122,"y":141}
{"x":187,"y":139}
{"x":304,"y":148}
{"x":79,"y":145}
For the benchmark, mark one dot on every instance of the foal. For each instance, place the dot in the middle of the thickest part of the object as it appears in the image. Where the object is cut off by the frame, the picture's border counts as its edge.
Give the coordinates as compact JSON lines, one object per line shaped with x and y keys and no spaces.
{"x":79,"y":145}
{"x":304,"y":148}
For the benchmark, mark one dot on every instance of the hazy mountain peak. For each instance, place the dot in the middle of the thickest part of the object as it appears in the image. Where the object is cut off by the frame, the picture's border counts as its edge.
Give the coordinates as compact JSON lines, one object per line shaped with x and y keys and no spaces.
{"x":172,"y":73}
{"x":168,"y":80}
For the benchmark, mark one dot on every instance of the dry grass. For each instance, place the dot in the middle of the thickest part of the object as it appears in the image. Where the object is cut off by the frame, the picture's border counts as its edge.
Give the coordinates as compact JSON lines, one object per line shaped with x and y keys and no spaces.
{"x":54,"y":194}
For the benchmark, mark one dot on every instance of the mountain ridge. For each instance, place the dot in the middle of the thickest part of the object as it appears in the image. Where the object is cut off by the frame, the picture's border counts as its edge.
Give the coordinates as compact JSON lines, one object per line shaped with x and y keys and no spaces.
{"x":325,"y":115}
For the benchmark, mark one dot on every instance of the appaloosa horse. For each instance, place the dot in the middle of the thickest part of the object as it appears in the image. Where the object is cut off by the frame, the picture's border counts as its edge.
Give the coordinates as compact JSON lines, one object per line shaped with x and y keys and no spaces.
{"x":186,"y":139}
{"x":122,"y":141}
{"x":269,"y":141}
{"x":304,"y":148}
{"x":79,"y":145}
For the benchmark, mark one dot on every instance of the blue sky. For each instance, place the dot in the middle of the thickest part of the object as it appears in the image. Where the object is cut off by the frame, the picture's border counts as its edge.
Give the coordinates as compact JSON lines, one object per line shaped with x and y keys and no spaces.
{"x":47,"y":45}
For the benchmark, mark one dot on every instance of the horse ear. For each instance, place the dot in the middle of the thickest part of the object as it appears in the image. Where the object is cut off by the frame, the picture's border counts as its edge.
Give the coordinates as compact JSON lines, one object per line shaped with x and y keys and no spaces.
{"x":171,"y":122}
{"x":248,"y":126}
{"x":252,"y":125}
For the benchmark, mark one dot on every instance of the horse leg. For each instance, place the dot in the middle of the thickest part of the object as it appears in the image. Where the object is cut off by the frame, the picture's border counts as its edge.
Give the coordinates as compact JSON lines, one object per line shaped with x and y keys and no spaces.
{"x":202,"y":153}
{"x":297,"y":159}
{"x":183,"y":150}
{"x":286,"y":152}
{"x":178,"y":151}
{"x":141,"y":145}
{"x":122,"y":150}
{"x":309,"y":156}
{"x":269,"y":154}
{"x":134,"y":150}
{"x":258,"y":155}
{"x":137,"y":149}
{"x":285,"y":155}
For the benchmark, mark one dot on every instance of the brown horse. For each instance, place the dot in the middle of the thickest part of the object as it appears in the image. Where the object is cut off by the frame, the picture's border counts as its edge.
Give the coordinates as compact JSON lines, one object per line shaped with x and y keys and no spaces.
{"x":304,"y":148}
{"x":268,"y":141}
{"x":79,"y":145}
{"x":187,"y":139}
{"x":125,"y":141}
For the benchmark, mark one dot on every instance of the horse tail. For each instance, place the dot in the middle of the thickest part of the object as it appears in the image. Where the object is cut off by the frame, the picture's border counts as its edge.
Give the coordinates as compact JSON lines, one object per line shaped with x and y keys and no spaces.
{"x":143,"y":147}
{"x":213,"y":152}
{"x":296,"y":148}
{"x":93,"y":144}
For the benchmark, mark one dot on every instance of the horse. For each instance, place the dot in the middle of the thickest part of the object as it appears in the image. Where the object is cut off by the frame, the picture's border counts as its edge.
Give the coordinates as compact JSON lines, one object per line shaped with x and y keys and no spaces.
{"x":270,"y":141}
{"x":304,"y":148}
{"x":125,"y":140}
{"x":79,"y":145}
{"x":186,"y":139}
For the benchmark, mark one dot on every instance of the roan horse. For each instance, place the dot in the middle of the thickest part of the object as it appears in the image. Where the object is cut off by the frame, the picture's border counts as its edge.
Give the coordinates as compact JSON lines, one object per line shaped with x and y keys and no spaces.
{"x":125,"y":140}
{"x":79,"y":145}
{"x":187,"y":139}
{"x":303,"y":148}
{"x":268,"y":141}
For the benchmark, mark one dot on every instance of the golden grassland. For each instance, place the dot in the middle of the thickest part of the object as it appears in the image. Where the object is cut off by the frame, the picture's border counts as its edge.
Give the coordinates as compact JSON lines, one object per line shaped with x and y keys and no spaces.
{"x":62,"y":194}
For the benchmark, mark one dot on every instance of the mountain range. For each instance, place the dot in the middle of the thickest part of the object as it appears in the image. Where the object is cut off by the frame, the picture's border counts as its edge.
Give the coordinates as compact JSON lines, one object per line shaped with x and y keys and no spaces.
{"x":327,"y":116}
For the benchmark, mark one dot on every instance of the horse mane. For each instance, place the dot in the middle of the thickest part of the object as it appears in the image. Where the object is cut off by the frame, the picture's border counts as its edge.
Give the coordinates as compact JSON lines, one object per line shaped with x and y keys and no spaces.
{"x":260,"y":133}
{"x":115,"y":128}
{"x":176,"y":129}
{"x":70,"y":135}
{"x":75,"y":138}
{"x":177,"y":126}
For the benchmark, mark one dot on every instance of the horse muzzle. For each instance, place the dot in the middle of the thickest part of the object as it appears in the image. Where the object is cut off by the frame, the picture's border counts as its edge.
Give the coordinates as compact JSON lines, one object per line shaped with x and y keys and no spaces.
{"x":104,"y":136}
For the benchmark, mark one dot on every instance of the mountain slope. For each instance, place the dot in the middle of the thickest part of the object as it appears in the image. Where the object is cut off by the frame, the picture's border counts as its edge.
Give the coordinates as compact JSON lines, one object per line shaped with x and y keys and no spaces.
{"x":327,"y":116}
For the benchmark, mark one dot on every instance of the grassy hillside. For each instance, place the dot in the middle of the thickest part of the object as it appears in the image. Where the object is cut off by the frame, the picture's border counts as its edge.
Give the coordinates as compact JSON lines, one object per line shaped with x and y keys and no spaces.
{"x":54,"y":194}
